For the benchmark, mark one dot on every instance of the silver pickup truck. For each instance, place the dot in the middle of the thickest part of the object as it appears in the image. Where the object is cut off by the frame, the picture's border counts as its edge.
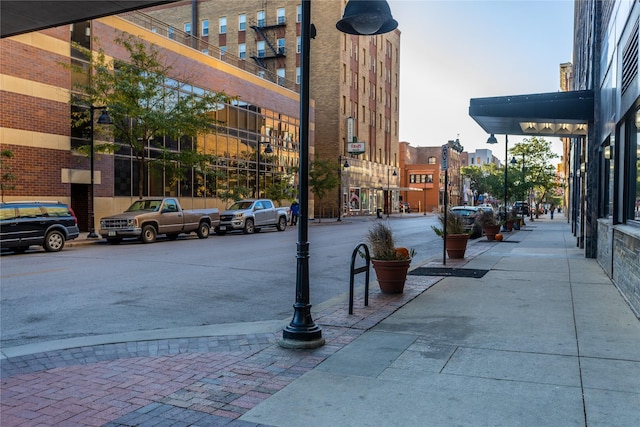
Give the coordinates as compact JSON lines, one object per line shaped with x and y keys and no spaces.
{"x":251,"y":215}
{"x":146,"y":218}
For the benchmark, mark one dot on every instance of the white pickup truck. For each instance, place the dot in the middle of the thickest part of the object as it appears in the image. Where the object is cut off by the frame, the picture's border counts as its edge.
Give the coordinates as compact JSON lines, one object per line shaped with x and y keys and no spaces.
{"x":146,"y":218}
{"x":251,"y":215}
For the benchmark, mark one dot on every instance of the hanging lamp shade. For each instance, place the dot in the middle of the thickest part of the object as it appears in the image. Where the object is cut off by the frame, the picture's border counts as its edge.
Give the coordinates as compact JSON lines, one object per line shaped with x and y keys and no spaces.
{"x":367,"y":18}
{"x":492,"y":139}
{"x":105,"y":118}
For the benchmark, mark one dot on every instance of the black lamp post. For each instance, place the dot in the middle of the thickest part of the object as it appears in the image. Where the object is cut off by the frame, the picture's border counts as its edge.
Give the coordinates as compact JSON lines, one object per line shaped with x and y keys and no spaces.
{"x":389,"y":199}
{"x":104,"y":119}
{"x":267,"y":150}
{"x":340,"y":166}
{"x":302,"y":332}
{"x":524,"y":188}
{"x":492,"y":140}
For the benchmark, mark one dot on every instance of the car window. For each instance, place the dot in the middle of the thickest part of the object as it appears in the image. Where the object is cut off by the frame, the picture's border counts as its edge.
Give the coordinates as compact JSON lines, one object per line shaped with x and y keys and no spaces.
{"x":56,"y":211}
{"x":7,"y":213}
{"x":170,"y":205}
{"x":29,"y":212}
{"x":267,"y":204}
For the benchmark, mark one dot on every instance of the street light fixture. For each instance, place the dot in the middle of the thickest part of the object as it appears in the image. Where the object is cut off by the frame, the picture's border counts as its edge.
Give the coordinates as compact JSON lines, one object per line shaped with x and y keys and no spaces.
{"x":492,"y":140}
{"x":340,"y":201}
{"x":104,"y":119}
{"x":302,"y":332}
{"x":267,"y":150}
{"x":389,"y":199}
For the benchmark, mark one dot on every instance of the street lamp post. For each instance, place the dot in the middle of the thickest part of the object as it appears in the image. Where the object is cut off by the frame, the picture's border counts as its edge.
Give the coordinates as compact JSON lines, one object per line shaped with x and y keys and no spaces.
{"x":267,"y":150}
{"x":104,"y":119}
{"x":340,"y":166}
{"x":492,"y":140}
{"x":389,"y":199}
{"x":360,"y":17}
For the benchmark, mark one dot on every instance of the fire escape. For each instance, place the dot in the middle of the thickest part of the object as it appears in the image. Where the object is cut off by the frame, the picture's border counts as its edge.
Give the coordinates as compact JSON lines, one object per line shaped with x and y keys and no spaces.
{"x":270,"y":51}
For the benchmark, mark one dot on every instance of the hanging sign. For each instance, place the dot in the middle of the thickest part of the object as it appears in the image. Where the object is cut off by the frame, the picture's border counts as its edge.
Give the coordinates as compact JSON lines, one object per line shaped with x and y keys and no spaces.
{"x":356,"y":147}
{"x":445,"y":157}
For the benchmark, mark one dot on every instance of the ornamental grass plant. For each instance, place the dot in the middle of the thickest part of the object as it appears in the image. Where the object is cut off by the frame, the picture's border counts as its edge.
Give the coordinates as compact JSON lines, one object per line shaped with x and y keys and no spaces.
{"x":382,"y":244}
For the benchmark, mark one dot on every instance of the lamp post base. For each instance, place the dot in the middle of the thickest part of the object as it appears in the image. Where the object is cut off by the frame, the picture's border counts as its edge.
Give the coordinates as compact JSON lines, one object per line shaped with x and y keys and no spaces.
{"x":92,"y":235}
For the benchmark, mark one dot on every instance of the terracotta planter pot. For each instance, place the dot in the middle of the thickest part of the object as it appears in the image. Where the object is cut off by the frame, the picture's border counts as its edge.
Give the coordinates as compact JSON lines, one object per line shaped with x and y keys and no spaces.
{"x":491,"y":230}
{"x":456,"y":245}
{"x":509,"y":225}
{"x":391,"y":275}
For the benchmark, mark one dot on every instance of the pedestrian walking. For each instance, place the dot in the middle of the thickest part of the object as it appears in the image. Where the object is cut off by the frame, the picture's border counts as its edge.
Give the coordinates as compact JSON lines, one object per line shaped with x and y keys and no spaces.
{"x":553,"y":208}
{"x":295,"y":211}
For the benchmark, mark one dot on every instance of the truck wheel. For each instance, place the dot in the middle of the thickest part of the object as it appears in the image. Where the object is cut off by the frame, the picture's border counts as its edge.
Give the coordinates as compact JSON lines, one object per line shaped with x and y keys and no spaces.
{"x":148,"y":234}
{"x":248,"y":227}
{"x":282,"y":223}
{"x":203,"y":230}
{"x":114,"y":240}
{"x":53,"y":241}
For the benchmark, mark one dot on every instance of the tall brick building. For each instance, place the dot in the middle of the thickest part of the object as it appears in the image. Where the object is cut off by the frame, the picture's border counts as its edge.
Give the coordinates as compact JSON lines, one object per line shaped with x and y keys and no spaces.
{"x":351,"y":77}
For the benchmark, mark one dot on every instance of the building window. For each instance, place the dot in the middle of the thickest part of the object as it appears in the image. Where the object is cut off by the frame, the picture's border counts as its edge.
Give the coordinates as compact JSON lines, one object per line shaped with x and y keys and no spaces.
{"x":242,"y":51}
{"x":223,"y":25}
{"x":187,"y":28}
{"x":242,"y":22}
{"x":633,"y":126}
{"x":281,"y":45}
{"x":171,"y":33}
{"x":261,"y":74}
{"x":431,"y":160}
{"x":205,"y":28}
{"x":281,"y":76}
{"x":261,"y":18}
{"x":281,"y":15}
{"x":223,"y":50}
{"x":260,"y":47}
{"x":298,"y":44}
{"x":298,"y":13}
{"x":298,"y":75}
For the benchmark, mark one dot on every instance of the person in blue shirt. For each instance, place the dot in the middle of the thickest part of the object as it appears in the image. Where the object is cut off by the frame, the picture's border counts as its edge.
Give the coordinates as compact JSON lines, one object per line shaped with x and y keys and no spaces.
{"x":295,"y":211}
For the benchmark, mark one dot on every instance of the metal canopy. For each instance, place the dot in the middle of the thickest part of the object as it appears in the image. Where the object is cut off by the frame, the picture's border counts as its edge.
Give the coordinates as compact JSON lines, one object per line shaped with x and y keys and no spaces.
{"x":23,"y":16}
{"x":558,"y":114}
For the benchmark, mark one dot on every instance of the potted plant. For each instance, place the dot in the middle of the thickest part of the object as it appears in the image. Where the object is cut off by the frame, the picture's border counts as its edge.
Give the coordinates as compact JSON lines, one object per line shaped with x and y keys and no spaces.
{"x":511,"y":219}
{"x":457,"y":235}
{"x":487,"y":220}
{"x":390,"y":262}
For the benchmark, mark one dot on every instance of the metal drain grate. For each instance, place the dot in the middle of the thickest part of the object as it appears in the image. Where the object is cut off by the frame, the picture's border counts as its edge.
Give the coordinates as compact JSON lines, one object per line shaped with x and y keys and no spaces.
{"x":449,"y":272}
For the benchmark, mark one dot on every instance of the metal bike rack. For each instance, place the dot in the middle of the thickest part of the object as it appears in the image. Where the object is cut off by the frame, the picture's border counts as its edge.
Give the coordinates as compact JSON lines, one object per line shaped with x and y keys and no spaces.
{"x":354,"y":271}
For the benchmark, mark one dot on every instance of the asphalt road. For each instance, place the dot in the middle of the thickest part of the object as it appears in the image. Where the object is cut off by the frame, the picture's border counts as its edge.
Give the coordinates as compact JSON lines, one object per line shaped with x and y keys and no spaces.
{"x":100,"y":289}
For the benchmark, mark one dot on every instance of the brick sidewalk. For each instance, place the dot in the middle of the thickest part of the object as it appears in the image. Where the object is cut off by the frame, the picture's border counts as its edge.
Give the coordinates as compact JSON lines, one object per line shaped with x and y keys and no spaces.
{"x":181,"y":382}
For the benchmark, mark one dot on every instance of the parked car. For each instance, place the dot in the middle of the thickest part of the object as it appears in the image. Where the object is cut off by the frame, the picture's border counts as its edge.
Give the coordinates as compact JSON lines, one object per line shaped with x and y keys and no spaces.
{"x":251,"y":215}
{"x":518,"y":208}
{"x":49,"y":224}
{"x":146,"y":218}
{"x":469,"y":214}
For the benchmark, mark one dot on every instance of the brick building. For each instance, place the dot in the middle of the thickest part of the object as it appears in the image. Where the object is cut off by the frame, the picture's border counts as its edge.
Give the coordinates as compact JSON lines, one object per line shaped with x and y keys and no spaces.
{"x":351,"y":77}
{"x":35,"y":124}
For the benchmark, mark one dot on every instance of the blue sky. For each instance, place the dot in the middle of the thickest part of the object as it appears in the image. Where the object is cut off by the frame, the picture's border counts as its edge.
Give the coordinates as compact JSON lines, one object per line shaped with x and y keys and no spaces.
{"x":453,"y":50}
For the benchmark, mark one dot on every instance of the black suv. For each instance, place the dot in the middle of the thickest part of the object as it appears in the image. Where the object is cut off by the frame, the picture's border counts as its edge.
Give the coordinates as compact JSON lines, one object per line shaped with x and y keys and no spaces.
{"x":49,"y":224}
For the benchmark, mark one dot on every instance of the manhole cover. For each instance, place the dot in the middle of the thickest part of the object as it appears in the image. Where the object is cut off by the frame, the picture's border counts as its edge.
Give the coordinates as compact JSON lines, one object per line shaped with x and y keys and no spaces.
{"x":451,"y":272}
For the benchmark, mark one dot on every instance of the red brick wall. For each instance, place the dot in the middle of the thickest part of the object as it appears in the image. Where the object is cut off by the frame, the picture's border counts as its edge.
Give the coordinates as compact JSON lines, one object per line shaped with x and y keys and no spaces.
{"x":37,"y":171}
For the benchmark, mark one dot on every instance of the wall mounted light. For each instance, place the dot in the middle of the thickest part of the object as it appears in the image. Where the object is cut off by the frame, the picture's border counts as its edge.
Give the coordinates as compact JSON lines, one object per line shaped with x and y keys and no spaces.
{"x":607,"y":152}
{"x":583,"y":167}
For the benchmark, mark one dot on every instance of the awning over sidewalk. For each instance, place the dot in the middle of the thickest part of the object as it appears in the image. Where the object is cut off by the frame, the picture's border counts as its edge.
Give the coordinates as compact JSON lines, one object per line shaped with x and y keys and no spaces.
{"x":558,"y":114}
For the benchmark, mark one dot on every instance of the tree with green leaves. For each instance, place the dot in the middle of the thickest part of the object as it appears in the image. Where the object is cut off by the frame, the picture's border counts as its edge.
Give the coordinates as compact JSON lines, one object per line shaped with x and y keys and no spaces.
{"x":540,"y":175}
{"x":7,"y":178}
{"x":146,"y":105}
{"x":323,"y":177}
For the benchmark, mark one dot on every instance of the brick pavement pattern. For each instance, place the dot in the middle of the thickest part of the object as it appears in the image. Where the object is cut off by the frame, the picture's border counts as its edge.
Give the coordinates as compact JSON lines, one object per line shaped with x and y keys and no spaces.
{"x":208,"y":381}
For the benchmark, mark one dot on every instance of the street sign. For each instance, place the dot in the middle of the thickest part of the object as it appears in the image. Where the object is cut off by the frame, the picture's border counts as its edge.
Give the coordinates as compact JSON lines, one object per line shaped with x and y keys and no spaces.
{"x":445,"y":157}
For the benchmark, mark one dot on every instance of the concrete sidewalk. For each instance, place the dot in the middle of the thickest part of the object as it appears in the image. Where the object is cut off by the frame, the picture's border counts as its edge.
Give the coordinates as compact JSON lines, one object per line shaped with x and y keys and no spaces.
{"x":542,"y":339}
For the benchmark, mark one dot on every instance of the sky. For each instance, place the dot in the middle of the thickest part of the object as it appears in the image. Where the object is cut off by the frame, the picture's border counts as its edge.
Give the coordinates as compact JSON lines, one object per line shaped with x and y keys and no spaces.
{"x":454,"y":50}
